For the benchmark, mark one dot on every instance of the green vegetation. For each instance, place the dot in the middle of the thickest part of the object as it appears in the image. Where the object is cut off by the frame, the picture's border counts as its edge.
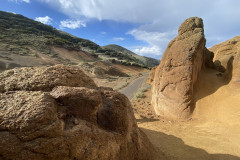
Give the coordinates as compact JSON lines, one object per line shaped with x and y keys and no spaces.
{"x":146,"y":61}
{"x":140,"y":93}
{"x":24,"y":36}
{"x":19,"y":34}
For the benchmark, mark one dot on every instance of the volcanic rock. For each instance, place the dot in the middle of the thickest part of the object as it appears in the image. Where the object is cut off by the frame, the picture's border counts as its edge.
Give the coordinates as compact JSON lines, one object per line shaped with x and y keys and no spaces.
{"x":175,"y":77}
{"x":59,"y":113}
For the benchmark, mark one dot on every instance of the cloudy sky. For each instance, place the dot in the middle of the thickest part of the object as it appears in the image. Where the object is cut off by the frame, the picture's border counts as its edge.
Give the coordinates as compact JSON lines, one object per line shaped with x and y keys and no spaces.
{"x":143,"y":26}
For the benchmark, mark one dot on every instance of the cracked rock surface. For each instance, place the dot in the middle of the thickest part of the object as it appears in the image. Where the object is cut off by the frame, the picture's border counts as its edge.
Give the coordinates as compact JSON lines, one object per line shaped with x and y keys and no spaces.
{"x":59,"y":113}
{"x":175,"y":77}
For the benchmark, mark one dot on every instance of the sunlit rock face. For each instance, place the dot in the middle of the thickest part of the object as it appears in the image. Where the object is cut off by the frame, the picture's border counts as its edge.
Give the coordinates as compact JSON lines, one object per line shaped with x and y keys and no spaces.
{"x":175,"y":77}
{"x":58,"y":112}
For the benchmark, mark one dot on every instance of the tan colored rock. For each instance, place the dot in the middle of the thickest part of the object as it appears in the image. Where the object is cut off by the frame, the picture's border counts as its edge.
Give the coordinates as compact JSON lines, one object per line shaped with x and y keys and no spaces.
{"x":113,"y":115}
{"x":151,"y":75}
{"x":80,"y":101}
{"x":68,"y":122}
{"x":44,"y":78}
{"x":227,"y":59}
{"x":175,"y":77}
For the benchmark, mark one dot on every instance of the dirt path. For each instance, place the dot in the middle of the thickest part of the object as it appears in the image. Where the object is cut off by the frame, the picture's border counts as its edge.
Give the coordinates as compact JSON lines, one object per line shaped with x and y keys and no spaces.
{"x":132,"y":88}
{"x":213,"y":133}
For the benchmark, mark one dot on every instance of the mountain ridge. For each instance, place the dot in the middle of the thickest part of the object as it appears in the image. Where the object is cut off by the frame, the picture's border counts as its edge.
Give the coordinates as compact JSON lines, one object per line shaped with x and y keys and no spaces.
{"x":21,"y":36}
{"x":150,"y":62}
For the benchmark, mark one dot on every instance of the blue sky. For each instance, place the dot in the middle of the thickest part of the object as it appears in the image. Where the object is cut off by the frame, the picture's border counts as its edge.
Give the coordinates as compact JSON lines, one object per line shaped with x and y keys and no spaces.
{"x":143,"y":26}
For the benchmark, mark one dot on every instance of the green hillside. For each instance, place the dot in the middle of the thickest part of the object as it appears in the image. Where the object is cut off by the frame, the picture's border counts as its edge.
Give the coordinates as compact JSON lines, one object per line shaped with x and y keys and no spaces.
{"x":22,"y":36}
{"x":150,"y":62}
{"x":18,"y":33}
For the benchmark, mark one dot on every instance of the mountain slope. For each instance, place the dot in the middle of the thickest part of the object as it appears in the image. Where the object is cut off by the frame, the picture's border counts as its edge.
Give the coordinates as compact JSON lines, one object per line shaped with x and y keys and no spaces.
{"x":20,"y":33}
{"x":25,"y":42}
{"x":150,"y":62}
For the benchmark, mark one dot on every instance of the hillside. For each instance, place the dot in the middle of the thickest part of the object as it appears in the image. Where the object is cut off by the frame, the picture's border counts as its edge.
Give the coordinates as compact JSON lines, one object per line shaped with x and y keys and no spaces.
{"x":150,"y":62}
{"x":25,"y":42}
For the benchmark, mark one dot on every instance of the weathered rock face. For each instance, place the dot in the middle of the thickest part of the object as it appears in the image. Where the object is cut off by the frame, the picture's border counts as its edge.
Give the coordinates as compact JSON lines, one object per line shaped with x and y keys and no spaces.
{"x":70,"y":119}
{"x":227,"y":59}
{"x":174,"y":79}
{"x":102,"y":71}
{"x":151,"y":75}
{"x":44,"y":78}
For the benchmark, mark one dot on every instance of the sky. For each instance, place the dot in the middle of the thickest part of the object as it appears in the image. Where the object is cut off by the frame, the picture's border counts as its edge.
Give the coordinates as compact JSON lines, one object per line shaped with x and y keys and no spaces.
{"x":142,"y":26}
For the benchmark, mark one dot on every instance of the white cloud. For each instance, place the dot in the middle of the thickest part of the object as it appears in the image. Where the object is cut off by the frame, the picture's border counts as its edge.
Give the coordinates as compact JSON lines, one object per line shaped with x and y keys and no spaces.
{"x":26,"y":1}
{"x":148,"y":51}
{"x":44,"y":20}
{"x":157,"y":41}
{"x":159,"y":16}
{"x":142,"y":11}
{"x":118,"y":39}
{"x":72,"y":24}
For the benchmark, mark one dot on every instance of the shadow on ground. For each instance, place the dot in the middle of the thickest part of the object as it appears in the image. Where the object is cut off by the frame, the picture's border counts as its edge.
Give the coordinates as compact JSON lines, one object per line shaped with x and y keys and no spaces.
{"x":144,"y":120}
{"x":173,"y":148}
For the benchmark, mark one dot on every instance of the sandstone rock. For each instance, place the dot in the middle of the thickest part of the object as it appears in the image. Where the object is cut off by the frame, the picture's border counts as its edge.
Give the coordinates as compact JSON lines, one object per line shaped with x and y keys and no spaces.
{"x":113,"y":115}
{"x":175,"y":77}
{"x":227,"y":58}
{"x":80,"y":102}
{"x":44,"y":78}
{"x":151,"y":75}
{"x":65,"y":122}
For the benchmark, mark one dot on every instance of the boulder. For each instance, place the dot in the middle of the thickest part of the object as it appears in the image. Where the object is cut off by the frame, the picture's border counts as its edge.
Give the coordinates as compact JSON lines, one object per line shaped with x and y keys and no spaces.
{"x":44,"y":78}
{"x":68,"y":119}
{"x":175,"y":77}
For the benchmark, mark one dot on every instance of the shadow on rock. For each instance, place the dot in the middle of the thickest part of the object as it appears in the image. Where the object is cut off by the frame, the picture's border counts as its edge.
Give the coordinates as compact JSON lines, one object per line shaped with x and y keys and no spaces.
{"x":210,"y":81}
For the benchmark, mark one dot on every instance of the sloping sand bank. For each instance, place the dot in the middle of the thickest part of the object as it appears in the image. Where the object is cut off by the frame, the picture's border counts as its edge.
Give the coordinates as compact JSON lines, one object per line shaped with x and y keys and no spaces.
{"x":213,"y":132}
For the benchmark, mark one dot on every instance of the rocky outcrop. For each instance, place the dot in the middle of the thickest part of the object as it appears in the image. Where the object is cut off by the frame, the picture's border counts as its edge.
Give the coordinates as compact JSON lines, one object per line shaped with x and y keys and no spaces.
{"x":115,"y":72}
{"x":102,"y":71}
{"x":227,"y":58}
{"x":175,"y":77}
{"x":44,"y":78}
{"x":151,"y":75}
{"x":59,"y":113}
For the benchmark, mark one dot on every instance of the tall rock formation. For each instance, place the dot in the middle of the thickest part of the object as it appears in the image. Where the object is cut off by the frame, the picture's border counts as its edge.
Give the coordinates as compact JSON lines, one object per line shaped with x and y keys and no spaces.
{"x":174,"y":79}
{"x":59,"y":113}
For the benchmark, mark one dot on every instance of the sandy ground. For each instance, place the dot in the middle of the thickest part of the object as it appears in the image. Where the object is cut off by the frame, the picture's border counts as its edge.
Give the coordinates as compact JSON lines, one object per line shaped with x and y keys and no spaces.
{"x":213,"y":132}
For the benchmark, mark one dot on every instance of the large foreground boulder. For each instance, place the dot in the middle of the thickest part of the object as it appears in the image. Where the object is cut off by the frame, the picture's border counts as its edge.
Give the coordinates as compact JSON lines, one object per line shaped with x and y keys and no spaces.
{"x":59,"y":113}
{"x":175,"y":77}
